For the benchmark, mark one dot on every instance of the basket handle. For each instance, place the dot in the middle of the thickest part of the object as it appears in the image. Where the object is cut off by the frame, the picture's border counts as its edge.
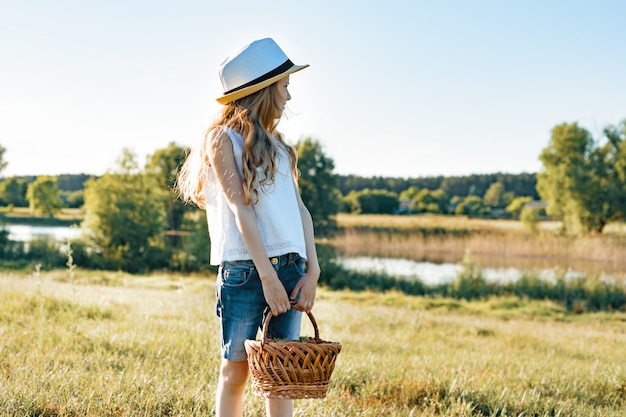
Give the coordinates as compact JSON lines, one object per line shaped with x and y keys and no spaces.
{"x":269,"y":316}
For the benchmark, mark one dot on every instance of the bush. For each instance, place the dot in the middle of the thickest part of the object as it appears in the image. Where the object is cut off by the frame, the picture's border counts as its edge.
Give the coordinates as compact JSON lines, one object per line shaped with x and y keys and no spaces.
{"x":372,"y":201}
{"x":45,"y":252}
{"x":470,"y":283}
{"x":472,"y":206}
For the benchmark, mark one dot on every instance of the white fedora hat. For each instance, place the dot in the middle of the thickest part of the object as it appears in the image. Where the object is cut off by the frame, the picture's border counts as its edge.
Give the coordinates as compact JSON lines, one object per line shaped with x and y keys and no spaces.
{"x":253,"y":67}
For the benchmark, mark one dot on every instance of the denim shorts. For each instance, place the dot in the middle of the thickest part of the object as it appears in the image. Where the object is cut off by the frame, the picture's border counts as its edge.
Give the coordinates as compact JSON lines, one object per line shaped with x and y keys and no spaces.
{"x":241,"y":304}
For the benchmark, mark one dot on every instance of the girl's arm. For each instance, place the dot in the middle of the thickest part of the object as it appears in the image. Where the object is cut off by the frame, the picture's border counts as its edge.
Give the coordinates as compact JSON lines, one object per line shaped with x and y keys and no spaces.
{"x":307,"y":285}
{"x":222,"y":160}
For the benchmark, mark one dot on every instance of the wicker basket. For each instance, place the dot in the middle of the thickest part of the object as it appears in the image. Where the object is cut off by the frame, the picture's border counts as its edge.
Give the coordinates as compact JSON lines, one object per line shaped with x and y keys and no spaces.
{"x":291,"y":369}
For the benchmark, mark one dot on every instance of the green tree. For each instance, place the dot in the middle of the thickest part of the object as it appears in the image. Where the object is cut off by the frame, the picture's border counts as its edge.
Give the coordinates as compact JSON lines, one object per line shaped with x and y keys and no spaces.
{"x":617,"y":136}
{"x":75,"y":199}
{"x":613,"y":153}
{"x":125,"y":216}
{"x":409,"y":194}
{"x":44,"y":197}
{"x":581,"y":180}
{"x":195,"y":251}
{"x":508,"y":197}
{"x":318,"y":184}
{"x":427,"y":201}
{"x":351,"y":202}
{"x":3,"y":163}
{"x":164,"y":165}
{"x":516,"y":206}
{"x":373,"y":201}
{"x":472,"y":205}
{"x":13,"y":192}
{"x":494,"y":196}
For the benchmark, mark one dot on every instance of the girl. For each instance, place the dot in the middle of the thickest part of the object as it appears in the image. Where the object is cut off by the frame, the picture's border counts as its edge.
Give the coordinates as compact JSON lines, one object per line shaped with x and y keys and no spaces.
{"x":244,"y":175}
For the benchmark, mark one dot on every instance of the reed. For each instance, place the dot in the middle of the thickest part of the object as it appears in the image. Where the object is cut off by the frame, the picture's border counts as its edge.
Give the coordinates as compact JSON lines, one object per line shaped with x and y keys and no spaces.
{"x":492,"y":243}
{"x":117,"y":345}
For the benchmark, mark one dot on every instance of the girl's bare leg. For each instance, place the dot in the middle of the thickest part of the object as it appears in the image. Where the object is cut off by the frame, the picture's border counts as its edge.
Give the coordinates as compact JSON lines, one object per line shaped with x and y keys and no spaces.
{"x":230,"y":388}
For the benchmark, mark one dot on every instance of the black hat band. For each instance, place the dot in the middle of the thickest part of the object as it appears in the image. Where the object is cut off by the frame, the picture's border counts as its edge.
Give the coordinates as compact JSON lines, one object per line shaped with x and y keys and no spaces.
{"x":276,"y":71}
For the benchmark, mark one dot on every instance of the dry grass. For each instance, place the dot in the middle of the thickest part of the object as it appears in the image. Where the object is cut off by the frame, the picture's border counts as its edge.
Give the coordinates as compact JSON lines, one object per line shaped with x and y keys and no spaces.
{"x":451,"y":223}
{"x":114,"y":345}
{"x":434,"y":221}
{"x":64,"y":214}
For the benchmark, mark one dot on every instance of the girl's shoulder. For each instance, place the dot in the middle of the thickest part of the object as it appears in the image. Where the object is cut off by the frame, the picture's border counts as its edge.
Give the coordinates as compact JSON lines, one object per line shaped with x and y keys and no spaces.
{"x":221,"y":133}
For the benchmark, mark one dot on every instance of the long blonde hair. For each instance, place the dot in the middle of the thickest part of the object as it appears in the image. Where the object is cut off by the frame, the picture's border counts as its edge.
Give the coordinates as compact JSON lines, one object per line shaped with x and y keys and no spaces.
{"x":254,"y":117}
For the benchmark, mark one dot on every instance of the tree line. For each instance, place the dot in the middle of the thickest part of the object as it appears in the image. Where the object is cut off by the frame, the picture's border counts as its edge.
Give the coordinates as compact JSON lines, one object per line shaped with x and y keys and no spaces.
{"x":326,"y":192}
{"x":135,"y":221}
{"x":478,"y":184}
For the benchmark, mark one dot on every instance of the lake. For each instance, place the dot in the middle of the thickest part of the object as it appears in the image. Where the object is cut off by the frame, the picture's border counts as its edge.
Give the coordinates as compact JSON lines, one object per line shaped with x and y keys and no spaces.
{"x":432,"y":274}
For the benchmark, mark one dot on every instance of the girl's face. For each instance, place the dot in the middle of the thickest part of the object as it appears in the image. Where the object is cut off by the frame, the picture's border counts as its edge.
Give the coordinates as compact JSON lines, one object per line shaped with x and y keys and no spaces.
{"x":282,"y":95}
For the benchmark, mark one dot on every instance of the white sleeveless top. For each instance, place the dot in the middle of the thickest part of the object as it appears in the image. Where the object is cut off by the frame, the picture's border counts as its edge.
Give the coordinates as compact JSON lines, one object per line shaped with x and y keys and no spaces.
{"x":277,"y":213}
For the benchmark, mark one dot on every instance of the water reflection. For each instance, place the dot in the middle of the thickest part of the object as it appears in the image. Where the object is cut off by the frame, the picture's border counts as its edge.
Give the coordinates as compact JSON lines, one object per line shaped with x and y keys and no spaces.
{"x":26,"y":233}
{"x":428,"y":272}
{"x":431,"y":273}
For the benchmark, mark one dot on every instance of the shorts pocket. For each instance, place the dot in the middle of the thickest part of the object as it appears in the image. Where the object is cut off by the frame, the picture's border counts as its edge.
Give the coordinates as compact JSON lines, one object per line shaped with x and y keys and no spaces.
{"x":234,"y":276}
{"x":299,"y":268}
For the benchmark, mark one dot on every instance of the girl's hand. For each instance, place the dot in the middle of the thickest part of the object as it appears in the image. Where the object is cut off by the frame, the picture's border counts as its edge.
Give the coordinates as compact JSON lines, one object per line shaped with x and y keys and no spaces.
{"x":275,"y":295}
{"x":307,"y":287}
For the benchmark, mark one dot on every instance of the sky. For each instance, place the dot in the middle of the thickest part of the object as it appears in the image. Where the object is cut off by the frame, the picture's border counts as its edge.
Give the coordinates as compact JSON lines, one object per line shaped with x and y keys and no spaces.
{"x":395,"y":88}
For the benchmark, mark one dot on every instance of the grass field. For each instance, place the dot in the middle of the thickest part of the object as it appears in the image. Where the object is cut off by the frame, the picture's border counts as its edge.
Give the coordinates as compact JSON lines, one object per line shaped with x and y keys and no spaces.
{"x":81,"y":343}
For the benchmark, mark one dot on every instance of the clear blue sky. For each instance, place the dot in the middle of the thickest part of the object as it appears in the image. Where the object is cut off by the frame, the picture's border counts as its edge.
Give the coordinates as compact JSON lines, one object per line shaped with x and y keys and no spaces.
{"x":395,"y":88}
